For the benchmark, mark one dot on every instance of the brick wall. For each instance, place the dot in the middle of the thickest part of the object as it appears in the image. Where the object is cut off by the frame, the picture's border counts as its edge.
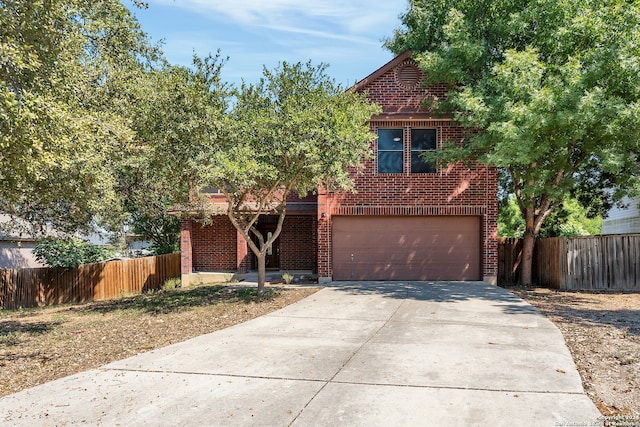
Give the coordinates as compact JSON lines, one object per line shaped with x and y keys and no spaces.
{"x":452,"y":190}
{"x":395,"y":97}
{"x":219,"y":247}
{"x":213,"y":246}
{"x":298,"y":243}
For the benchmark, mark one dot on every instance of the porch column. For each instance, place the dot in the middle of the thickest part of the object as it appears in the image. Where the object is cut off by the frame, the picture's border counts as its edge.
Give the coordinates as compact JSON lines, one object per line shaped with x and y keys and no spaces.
{"x":242,"y":253}
{"x":324,"y":238}
{"x":186,"y":257}
{"x":490,"y":232}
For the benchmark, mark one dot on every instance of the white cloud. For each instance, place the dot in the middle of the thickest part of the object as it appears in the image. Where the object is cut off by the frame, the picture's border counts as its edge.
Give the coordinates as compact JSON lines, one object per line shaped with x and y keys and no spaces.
{"x":321,"y":34}
{"x":346,"y":35}
{"x":355,"y":17}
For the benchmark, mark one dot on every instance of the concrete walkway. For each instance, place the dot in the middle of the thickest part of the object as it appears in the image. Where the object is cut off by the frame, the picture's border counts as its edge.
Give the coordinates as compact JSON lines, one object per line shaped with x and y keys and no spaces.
{"x":353,"y":354}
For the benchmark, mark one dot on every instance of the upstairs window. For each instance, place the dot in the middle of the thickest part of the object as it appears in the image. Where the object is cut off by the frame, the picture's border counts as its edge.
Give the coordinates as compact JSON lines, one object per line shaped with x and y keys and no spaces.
{"x":210,"y":190}
{"x":390,"y":151}
{"x":422,"y":141}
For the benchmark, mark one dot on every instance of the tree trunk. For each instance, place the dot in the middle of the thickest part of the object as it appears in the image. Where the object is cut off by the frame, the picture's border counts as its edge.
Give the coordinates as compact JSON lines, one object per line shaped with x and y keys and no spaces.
{"x":262,"y":272}
{"x":533,"y":219}
{"x":527,"y":258}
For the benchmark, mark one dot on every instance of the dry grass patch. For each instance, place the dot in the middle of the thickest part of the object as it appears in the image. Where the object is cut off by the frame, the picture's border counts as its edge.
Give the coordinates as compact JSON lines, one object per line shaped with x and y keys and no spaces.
{"x":602,"y":331}
{"x":43,"y":344}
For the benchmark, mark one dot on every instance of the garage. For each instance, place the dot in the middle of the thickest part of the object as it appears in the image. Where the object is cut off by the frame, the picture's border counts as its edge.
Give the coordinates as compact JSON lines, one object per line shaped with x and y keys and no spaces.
{"x":406,"y":248}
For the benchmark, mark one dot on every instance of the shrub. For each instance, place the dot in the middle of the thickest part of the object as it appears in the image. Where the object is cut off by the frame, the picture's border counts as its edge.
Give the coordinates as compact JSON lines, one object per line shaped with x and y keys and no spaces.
{"x":69,"y":253}
{"x":288,"y":278}
{"x":171,"y":284}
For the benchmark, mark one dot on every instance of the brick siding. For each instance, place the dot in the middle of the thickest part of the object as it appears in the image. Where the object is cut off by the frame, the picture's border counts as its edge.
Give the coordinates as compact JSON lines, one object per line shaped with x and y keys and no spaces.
{"x":212,"y":247}
{"x":299,"y":243}
{"x":219,"y":247}
{"x":452,"y":190}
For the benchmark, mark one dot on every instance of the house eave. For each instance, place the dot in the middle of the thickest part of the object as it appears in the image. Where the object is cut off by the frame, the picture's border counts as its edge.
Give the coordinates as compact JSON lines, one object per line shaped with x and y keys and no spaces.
{"x":402,"y":117}
{"x":300,"y":208}
{"x":362,"y":84}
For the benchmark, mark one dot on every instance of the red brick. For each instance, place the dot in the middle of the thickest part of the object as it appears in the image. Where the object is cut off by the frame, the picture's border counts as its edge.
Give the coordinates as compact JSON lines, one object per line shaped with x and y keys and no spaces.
{"x":453,"y":190}
{"x":219,"y":247}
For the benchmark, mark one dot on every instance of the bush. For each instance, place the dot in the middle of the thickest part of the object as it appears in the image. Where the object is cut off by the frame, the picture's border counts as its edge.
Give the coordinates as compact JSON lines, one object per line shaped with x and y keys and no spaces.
{"x":69,"y":253}
{"x":288,"y":278}
{"x":171,"y":284}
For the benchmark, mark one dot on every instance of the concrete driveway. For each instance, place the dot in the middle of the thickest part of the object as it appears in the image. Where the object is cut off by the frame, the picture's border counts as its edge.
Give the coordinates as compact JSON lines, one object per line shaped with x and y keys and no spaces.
{"x":353,"y":354}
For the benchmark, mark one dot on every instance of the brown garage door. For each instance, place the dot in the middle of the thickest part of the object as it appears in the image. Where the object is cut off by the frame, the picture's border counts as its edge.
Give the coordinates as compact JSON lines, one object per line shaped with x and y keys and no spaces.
{"x":406,"y":248}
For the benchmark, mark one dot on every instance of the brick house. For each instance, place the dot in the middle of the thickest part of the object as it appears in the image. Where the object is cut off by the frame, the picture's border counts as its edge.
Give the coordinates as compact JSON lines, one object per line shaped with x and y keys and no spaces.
{"x":407,"y":220}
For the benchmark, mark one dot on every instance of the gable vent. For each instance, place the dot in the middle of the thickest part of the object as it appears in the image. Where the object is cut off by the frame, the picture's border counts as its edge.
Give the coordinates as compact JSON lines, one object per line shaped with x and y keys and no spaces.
{"x":408,"y":75}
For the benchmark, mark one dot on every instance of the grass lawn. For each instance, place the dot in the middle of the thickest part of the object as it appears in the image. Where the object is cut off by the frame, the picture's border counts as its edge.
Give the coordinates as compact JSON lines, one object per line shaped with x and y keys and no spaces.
{"x":42,"y":344}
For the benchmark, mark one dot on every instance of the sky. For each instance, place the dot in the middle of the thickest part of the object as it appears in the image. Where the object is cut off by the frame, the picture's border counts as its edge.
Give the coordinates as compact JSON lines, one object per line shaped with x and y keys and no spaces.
{"x":346,"y":34}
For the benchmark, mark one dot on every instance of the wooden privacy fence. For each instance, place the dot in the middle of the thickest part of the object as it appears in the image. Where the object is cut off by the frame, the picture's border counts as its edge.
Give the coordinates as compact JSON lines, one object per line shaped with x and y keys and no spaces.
{"x":577,"y":263}
{"x":509,"y":259}
{"x":550,"y":262}
{"x":33,"y":287}
{"x":604,"y":262}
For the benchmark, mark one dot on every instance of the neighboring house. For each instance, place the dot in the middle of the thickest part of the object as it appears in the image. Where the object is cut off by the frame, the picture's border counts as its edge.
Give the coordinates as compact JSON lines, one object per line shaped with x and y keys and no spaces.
{"x":16,"y":252}
{"x":624,"y":220}
{"x":407,"y":220}
{"x":17,"y":243}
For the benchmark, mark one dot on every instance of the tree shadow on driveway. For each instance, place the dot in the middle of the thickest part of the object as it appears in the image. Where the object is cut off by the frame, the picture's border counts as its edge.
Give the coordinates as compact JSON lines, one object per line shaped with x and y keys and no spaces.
{"x":441,"y":292}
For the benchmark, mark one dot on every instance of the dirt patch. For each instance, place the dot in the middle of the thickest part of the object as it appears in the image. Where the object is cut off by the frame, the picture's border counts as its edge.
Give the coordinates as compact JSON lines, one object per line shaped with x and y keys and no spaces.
{"x":40,"y":345}
{"x":602,"y":331}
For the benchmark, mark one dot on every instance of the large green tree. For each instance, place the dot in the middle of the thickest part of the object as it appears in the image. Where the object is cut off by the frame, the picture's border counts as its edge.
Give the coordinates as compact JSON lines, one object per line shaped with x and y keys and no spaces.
{"x":70,"y":252}
{"x":179,"y":120}
{"x":570,"y":218}
{"x":293,"y":131}
{"x":64,"y":65}
{"x":549,"y":90}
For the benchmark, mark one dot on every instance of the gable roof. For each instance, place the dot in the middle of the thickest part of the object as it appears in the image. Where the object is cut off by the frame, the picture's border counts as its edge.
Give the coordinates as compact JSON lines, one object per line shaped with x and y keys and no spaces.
{"x":380,"y":71}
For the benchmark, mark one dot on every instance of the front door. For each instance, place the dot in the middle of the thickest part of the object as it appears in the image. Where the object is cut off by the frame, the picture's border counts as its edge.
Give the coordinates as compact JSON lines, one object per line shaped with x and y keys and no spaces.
{"x":272,"y":259}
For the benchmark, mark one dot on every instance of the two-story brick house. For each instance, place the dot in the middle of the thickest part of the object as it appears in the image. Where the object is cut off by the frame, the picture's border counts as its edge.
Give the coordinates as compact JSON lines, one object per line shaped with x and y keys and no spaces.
{"x":407,"y":219}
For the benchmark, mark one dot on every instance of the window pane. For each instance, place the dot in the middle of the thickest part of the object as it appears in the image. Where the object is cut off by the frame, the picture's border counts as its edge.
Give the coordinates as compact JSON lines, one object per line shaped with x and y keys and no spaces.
{"x":390,"y":161}
{"x":423,"y":139}
{"x":420,"y":166}
{"x":390,"y":139}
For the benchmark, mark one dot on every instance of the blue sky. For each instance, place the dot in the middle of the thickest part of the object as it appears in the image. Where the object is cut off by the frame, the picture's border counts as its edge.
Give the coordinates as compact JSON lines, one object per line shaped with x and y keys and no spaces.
{"x":345,"y":34}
